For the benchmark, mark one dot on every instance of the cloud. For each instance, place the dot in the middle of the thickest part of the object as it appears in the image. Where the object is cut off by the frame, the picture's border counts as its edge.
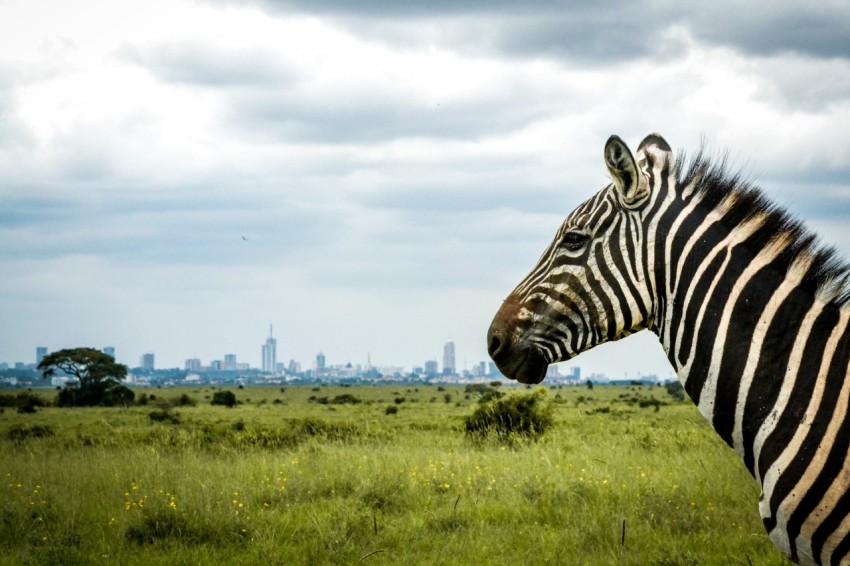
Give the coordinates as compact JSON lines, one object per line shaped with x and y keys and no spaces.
{"x":390,"y":165}
{"x":609,"y":32}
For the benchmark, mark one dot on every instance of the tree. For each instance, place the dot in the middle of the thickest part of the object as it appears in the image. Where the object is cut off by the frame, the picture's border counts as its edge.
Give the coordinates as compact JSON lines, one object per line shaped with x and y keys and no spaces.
{"x":96,"y":373}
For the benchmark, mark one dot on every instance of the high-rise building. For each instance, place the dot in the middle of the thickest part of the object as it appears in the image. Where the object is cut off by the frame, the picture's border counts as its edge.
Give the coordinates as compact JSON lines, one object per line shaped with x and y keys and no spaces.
{"x":449,"y":367}
{"x":431,"y":368}
{"x":320,"y":363}
{"x":40,"y":354}
{"x":270,"y":353}
{"x":147,"y":362}
{"x":193,"y":364}
{"x":109,"y":351}
{"x":294,"y":367}
{"x":230,"y":362}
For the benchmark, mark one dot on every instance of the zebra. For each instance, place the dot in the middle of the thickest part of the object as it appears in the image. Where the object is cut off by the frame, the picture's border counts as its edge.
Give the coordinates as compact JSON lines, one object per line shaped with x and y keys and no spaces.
{"x":751,"y":311}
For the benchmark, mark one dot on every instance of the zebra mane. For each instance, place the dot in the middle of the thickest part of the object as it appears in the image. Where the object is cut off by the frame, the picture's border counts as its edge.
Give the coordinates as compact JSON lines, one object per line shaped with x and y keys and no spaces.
{"x":712,"y":181}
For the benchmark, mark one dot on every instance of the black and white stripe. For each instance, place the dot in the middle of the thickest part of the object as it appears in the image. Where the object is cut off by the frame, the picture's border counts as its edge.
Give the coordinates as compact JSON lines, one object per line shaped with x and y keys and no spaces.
{"x":752,"y":314}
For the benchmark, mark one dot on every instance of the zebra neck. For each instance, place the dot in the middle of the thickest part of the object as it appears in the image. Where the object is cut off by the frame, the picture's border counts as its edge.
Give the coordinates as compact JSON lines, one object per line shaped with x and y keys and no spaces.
{"x":746,"y":332}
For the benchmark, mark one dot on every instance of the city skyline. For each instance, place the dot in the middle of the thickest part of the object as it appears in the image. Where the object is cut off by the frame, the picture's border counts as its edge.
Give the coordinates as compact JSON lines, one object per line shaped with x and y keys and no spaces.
{"x":375,"y":177}
{"x":429,"y":366}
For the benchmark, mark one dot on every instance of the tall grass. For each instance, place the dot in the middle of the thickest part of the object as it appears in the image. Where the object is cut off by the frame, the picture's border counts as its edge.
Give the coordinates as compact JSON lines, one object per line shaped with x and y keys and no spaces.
{"x":281,"y":479}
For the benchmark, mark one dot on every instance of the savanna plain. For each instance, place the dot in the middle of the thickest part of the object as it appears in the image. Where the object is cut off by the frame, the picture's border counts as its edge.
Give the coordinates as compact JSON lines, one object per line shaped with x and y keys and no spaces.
{"x":373,"y":475}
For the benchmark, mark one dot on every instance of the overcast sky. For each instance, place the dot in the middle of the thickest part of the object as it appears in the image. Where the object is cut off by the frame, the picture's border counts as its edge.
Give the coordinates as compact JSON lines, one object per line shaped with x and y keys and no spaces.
{"x":373,"y":180}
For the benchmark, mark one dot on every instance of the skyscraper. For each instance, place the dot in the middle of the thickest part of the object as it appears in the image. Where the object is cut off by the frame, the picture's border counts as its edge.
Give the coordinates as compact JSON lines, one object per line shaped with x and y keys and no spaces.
{"x":431,"y":368}
{"x":230,"y":362}
{"x":109,"y":351}
{"x":147,"y":362}
{"x":320,"y":363}
{"x":270,"y":353}
{"x":40,"y":353}
{"x":449,"y":367}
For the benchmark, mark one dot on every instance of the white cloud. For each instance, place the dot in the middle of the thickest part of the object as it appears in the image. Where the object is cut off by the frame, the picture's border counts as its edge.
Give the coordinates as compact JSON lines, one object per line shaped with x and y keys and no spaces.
{"x":394,"y":175}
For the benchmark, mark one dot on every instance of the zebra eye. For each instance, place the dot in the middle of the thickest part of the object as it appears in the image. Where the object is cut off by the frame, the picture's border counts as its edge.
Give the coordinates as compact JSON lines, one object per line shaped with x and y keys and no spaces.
{"x":574,"y":241}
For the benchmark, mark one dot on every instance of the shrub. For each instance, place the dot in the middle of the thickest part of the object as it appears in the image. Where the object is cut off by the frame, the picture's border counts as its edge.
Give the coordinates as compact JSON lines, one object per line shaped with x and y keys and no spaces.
{"x":675,"y":390}
{"x":391,"y":410}
{"x":345,"y":399}
{"x":527,"y":416}
{"x":185,"y":401}
{"x":490,"y":395}
{"x":651,"y":402}
{"x":163,"y":416}
{"x":18,"y":433}
{"x":27,"y":402}
{"x":7,"y":400}
{"x":118,"y":395}
{"x":226,"y":398}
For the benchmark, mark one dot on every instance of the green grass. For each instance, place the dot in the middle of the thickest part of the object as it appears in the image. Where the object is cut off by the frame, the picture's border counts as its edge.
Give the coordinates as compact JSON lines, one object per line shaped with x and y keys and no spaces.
{"x":282,"y":479}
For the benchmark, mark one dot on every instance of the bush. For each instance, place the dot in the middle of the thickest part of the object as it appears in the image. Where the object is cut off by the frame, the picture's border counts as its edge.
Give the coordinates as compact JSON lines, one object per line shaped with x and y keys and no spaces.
{"x":490,"y":395}
{"x":226,"y":398}
{"x":163,"y":416}
{"x":25,"y":402}
{"x":675,"y":390}
{"x":7,"y":400}
{"x":107,"y":393}
{"x":18,"y":433}
{"x":527,"y":416}
{"x":118,"y":395}
{"x":391,"y":410}
{"x":185,"y":401}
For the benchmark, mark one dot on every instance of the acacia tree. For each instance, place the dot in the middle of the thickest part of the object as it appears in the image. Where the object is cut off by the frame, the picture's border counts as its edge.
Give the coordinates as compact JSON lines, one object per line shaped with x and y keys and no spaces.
{"x":97,"y":376}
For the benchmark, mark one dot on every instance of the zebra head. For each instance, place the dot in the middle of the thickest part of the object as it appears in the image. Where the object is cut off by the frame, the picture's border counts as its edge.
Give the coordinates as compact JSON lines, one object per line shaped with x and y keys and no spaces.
{"x":592,"y":283}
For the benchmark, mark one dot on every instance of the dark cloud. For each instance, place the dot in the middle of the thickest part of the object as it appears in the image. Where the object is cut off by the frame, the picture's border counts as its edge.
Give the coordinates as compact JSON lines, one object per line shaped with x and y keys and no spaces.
{"x":609,"y":31}
{"x":816,"y":29}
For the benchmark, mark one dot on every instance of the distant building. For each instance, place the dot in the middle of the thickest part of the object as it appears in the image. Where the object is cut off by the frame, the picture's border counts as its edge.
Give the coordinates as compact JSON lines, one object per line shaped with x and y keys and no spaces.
{"x":193,"y":364}
{"x":574,"y":373}
{"x":230,"y":362}
{"x":109,"y":351}
{"x":320,"y":362}
{"x":552,"y":371}
{"x":431,"y":368}
{"x":294,"y":367}
{"x":40,"y":354}
{"x":147,"y":362}
{"x":270,"y":353}
{"x":449,"y":367}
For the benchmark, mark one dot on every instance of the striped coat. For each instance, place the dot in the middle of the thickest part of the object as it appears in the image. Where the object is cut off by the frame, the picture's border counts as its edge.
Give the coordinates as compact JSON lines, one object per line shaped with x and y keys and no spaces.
{"x":752,"y":313}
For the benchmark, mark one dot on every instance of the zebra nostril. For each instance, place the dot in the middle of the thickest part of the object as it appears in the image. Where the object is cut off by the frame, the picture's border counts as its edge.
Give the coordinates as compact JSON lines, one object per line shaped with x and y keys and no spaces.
{"x":494,"y":345}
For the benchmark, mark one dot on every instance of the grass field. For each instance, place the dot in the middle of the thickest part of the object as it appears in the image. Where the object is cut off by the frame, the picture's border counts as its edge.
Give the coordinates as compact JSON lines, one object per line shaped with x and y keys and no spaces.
{"x":286,"y":479}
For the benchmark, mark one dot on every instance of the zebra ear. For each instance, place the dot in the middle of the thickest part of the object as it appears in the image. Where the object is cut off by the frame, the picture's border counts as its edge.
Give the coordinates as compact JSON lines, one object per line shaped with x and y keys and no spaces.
{"x":654,"y":155}
{"x":630,"y":183}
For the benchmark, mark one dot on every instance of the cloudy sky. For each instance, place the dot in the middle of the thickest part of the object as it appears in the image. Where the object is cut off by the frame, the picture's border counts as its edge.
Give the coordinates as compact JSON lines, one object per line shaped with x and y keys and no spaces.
{"x":372,"y":179}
